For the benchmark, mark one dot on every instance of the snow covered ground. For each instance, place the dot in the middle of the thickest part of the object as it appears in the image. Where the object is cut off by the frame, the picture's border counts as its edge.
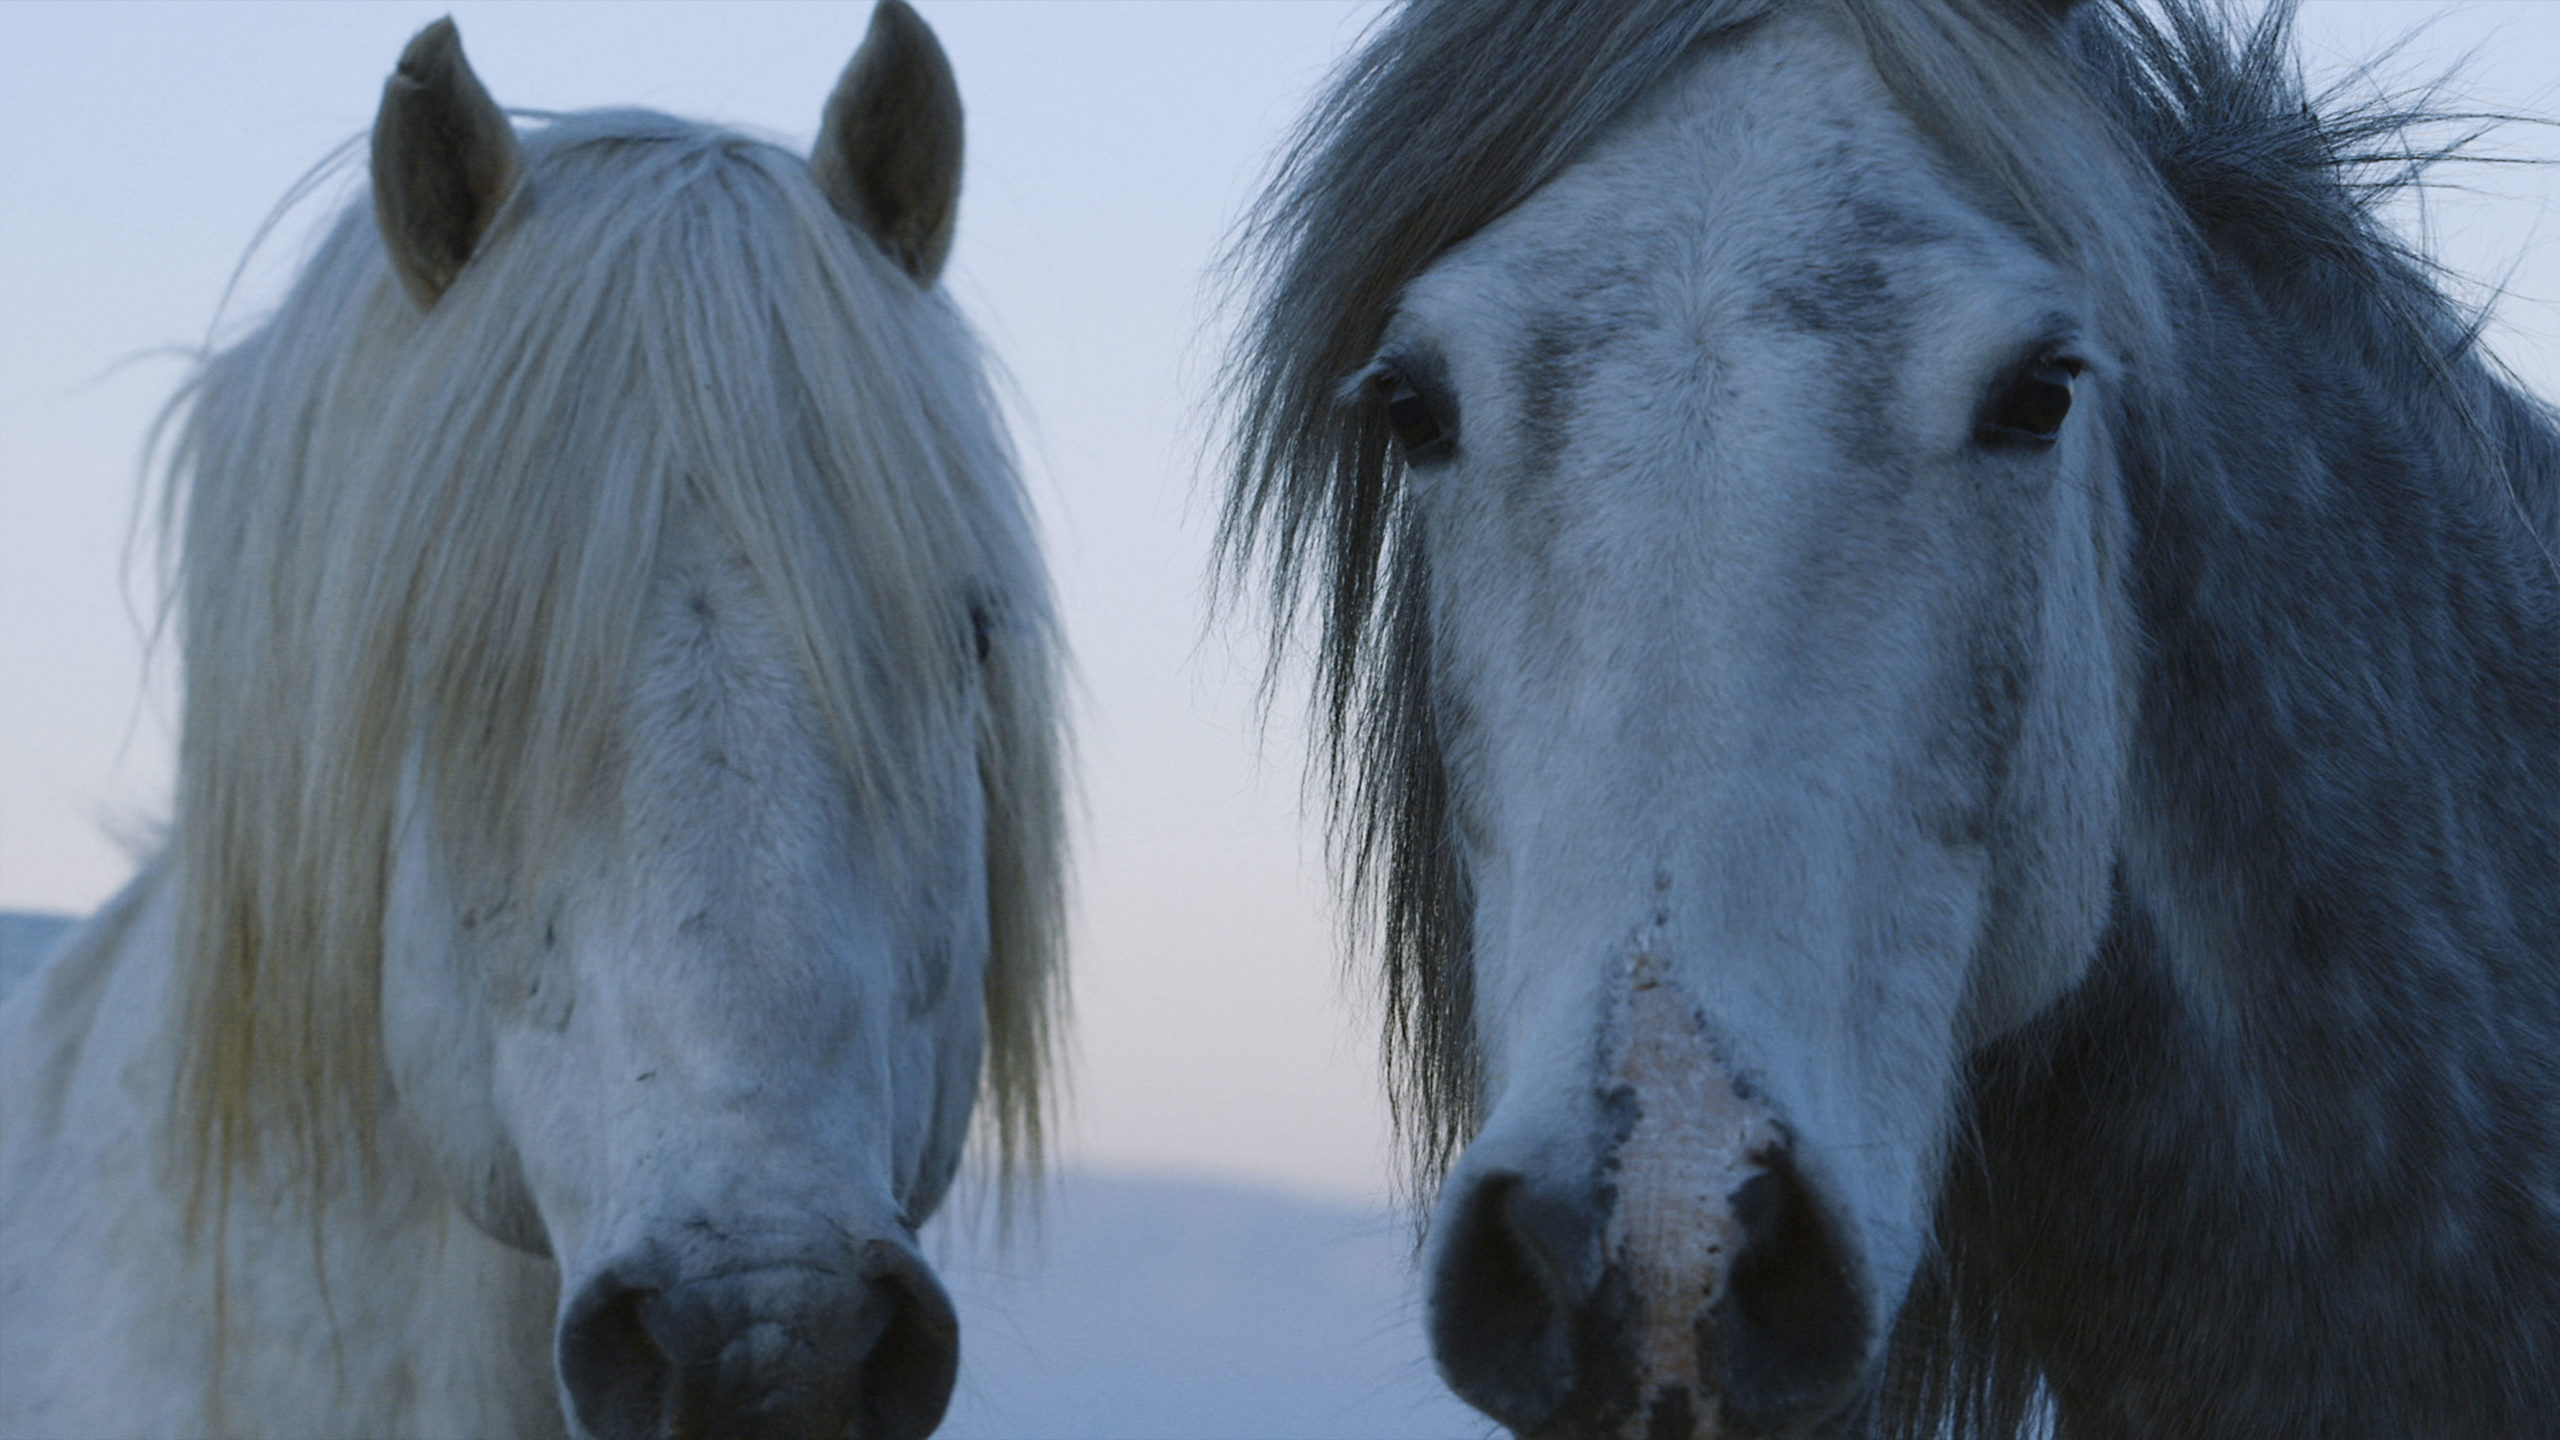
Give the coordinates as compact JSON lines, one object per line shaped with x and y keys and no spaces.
{"x":1135,"y":1307}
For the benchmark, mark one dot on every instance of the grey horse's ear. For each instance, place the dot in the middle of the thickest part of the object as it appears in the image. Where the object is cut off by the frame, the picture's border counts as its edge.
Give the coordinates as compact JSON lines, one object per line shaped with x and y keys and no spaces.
{"x":888,"y":153}
{"x":444,"y":160}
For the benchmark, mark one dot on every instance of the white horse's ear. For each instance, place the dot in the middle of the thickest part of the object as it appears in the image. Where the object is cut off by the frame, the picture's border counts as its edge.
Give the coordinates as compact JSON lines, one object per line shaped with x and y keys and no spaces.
{"x":888,"y":153}
{"x":444,"y":160}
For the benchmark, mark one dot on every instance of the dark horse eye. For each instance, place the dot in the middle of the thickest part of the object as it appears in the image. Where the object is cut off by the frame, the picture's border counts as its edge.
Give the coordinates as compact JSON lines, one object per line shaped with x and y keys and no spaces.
{"x":1416,"y":422}
{"x":2031,"y":406}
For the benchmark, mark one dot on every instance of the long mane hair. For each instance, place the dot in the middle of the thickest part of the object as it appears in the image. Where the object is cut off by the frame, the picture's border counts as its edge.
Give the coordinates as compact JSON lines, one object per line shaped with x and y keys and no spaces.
{"x":2168,"y":153}
{"x":401,"y":536}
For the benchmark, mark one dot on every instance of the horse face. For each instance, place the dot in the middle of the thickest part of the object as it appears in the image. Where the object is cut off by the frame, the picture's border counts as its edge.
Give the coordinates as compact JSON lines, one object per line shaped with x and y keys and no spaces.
{"x":715,"y":1067}
{"x":712,"y":1043}
{"x":1770,"y":547}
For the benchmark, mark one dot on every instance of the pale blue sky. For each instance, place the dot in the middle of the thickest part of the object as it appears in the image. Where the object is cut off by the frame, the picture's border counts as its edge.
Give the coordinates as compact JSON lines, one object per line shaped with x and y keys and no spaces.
{"x":1110,"y":147}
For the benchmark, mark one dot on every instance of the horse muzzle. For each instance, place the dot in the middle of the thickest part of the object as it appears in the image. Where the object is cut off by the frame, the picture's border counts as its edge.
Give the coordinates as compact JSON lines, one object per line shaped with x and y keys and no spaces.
{"x":843,"y":1339}
{"x":1684,"y":1282}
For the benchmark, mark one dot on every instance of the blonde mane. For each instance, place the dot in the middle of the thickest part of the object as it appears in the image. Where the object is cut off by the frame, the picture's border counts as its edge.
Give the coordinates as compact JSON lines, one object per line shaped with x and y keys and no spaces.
{"x":428,"y":534}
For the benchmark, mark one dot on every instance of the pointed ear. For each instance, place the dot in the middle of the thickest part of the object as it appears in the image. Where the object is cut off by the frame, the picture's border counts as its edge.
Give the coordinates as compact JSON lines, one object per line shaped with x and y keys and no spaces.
{"x":444,"y":160}
{"x":888,"y":153}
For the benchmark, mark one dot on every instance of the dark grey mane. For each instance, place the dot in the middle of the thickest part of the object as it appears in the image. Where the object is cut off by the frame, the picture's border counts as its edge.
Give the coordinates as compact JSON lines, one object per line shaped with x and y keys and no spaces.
{"x":2318,"y":395}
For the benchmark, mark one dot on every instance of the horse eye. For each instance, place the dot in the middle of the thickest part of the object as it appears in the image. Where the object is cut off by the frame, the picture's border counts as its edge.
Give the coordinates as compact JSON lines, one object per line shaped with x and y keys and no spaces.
{"x":1416,"y":423}
{"x":2032,"y":406}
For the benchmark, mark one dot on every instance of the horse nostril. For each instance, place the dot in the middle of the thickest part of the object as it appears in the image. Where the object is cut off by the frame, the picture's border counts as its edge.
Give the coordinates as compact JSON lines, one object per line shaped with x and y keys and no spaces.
{"x":908,"y":1373}
{"x":1503,"y":1302}
{"x":781,"y":1351}
{"x":618,"y":1380}
{"x":1793,"y":1328}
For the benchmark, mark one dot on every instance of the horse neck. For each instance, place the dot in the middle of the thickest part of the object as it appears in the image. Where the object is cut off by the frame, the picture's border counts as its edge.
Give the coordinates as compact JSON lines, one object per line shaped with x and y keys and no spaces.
{"x":2349,"y":726}
{"x":379,"y":1311}
{"x":374,"y":1305}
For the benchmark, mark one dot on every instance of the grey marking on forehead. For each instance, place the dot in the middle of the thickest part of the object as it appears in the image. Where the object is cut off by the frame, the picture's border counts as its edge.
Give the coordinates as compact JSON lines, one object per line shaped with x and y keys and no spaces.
{"x":1597,"y":295}
{"x":1845,"y":296}
{"x":1844,"y":287}
{"x":1553,"y":361}
{"x":1853,"y":294}
{"x":1558,"y":350}
{"x":1549,"y":369}
{"x":1875,"y":224}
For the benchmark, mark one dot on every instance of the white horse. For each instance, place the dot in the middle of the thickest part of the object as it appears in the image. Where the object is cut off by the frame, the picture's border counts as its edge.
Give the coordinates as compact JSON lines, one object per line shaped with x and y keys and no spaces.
{"x":617,"y":835}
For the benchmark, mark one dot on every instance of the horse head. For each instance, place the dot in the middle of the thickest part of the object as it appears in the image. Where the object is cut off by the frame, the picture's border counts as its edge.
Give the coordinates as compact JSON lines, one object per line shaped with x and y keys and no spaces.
{"x":697,"y":1002}
{"x":1776,"y":655}
{"x":1734,"y":682}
